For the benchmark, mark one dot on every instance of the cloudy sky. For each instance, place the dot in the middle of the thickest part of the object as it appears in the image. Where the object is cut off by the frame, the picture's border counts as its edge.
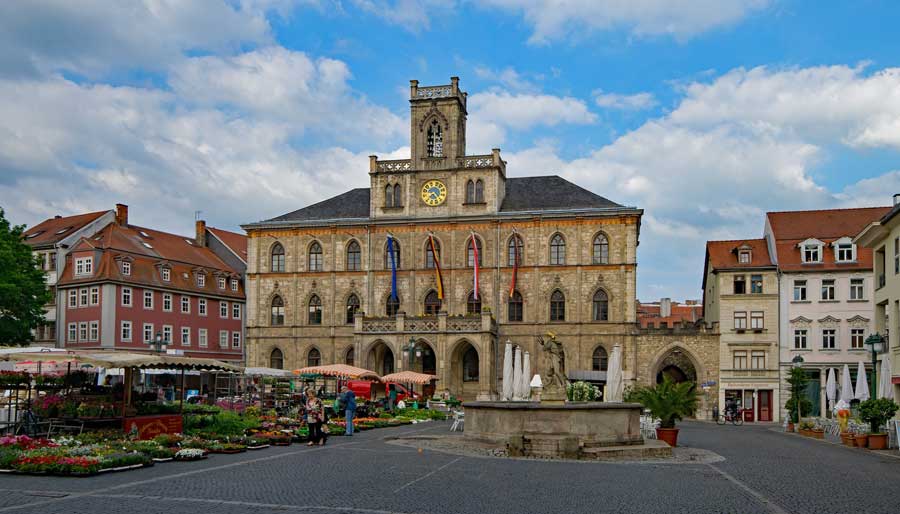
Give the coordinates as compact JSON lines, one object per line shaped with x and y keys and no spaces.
{"x":705,"y":113}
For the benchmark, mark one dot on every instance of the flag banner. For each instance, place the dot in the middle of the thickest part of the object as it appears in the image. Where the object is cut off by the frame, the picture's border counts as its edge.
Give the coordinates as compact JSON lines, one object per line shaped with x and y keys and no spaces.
{"x":515,"y":273}
{"x":393,"y":257}
{"x":475,"y":252}
{"x":438,"y":279}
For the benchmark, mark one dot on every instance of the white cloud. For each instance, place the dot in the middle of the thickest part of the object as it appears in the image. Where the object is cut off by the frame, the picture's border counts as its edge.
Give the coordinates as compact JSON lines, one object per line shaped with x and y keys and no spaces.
{"x":413,"y":15}
{"x":635,"y":102}
{"x":508,"y":77}
{"x":552,"y":19}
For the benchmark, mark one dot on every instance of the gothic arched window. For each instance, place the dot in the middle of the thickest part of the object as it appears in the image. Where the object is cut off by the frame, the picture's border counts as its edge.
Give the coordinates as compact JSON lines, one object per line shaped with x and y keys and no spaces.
{"x":354,"y":259}
{"x":314,"y":357}
{"x":601,"y":306}
{"x":600,"y":361}
{"x":470,"y":365}
{"x":557,"y":306}
{"x":470,"y":252}
{"x":479,"y":191}
{"x":557,"y":250}
{"x":277,"y":258}
{"x":473,"y":305}
{"x":513,"y":247}
{"x":397,"y":196}
{"x":514,"y":307}
{"x":601,"y":250}
{"x":277,"y":311}
{"x":315,"y":310}
{"x":352,"y":307}
{"x":435,"y":139}
{"x":430,"y":256}
{"x":392,"y":306}
{"x":432,"y":303}
{"x":276,"y":359}
{"x":388,"y":195}
{"x":315,"y":257}
{"x":350,"y":356}
{"x":387,"y":255}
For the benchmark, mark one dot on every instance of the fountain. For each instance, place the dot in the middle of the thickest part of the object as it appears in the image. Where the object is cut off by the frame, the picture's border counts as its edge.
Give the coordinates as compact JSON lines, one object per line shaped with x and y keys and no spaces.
{"x":554,"y":427}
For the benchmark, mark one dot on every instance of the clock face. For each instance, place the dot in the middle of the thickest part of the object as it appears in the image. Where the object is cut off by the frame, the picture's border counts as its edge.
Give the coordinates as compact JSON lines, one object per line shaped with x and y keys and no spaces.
{"x":434,"y":192}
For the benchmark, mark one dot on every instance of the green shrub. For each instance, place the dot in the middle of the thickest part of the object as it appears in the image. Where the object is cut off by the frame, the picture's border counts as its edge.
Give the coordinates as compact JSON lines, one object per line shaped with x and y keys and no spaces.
{"x":877,"y":411}
{"x":668,"y":401}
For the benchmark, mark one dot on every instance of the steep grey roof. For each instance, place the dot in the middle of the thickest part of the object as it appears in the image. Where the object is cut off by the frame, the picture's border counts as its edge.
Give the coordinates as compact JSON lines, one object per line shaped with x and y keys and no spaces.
{"x":550,"y":193}
{"x":352,"y":204}
{"x":522,"y":194}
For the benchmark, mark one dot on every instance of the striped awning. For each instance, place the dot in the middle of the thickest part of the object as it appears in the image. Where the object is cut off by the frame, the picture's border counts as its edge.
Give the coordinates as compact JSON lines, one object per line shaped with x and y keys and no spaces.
{"x":337,"y":370}
{"x":408,"y":377}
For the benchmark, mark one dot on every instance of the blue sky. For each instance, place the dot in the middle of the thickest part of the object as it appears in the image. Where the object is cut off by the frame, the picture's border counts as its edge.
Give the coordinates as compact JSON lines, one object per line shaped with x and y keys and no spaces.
{"x":705,"y":113}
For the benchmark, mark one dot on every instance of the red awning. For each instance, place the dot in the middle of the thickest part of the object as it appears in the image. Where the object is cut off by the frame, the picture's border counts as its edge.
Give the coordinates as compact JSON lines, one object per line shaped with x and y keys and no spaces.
{"x":895,"y":380}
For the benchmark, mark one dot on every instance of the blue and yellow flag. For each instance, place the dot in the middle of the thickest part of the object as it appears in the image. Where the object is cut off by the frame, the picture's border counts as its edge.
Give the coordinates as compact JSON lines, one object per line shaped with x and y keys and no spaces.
{"x":393,"y":257}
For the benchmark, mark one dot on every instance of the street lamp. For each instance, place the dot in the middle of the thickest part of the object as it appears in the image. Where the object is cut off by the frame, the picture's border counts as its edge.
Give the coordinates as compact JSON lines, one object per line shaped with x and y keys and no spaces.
{"x":412,"y":351}
{"x":797,"y":362}
{"x":158,"y":344}
{"x":875,"y":343}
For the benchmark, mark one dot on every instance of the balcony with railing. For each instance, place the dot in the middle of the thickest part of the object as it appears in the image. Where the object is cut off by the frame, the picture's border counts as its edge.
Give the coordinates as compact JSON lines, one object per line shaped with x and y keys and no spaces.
{"x":441,"y":322}
{"x":491,"y":160}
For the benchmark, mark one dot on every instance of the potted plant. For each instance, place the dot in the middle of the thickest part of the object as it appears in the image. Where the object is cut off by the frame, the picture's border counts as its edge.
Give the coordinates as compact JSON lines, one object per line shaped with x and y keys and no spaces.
{"x":797,"y":381}
{"x":860,"y":439}
{"x":877,"y":412}
{"x":669,"y":402}
{"x":806,"y":428}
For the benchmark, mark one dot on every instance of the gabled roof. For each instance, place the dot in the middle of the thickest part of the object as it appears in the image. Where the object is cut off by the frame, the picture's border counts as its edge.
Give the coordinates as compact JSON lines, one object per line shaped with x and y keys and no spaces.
{"x":721,"y":255}
{"x":54,"y":230}
{"x":790,"y":229}
{"x":352,"y":204}
{"x":235,"y":242}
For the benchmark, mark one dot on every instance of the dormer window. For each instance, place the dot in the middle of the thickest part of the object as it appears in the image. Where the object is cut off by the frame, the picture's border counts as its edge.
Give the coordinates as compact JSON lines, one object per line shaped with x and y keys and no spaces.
{"x":435,"y":140}
{"x":744,"y":256}
{"x":221,"y":282}
{"x":234,"y":284}
{"x":811,"y":251}
{"x":126,"y":268}
{"x":166,"y":274}
{"x":201,"y":280}
{"x":84,"y":266}
{"x":844,"y":250}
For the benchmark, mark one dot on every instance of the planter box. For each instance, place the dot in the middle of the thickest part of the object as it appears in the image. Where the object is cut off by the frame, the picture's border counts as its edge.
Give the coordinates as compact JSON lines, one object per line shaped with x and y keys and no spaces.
{"x":818,"y":434}
{"x":878,"y":441}
{"x":847,"y":439}
{"x":260,"y":447}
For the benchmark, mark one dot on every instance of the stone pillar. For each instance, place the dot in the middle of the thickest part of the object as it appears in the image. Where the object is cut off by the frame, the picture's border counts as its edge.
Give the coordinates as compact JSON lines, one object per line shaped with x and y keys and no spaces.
{"x":485,"y":366}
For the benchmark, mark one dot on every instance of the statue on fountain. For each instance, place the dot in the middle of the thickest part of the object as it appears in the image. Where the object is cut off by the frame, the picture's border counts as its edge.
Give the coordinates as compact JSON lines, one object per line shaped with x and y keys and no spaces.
{"x":554,"y":379}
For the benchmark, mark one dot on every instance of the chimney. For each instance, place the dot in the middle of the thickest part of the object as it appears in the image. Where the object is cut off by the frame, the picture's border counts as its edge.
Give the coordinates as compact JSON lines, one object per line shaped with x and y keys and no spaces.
{"x":896,"y":198}
{"x":57,"y":217}
{"x":121,"y":214}
{"x":200,"y":237}
{"x":665,"y":307}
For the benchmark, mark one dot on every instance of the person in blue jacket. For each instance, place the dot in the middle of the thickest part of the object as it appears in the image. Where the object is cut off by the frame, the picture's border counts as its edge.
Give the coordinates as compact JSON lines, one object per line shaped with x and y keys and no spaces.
{"x":348,"y":399}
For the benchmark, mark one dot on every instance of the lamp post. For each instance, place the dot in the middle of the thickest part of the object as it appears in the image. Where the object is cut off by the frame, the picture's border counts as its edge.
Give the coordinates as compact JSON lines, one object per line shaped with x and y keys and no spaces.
{"x":797,"y":363}
{"x":158,"y":344}
{"x":875,"y":343}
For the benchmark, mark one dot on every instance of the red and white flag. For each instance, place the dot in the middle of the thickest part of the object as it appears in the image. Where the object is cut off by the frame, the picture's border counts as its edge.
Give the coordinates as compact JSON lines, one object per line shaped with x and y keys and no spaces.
{"x":475,"y":252}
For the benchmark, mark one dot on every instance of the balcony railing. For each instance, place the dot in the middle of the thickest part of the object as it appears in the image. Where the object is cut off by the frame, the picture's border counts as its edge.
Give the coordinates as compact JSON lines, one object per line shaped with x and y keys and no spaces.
{"x":428,"y":324}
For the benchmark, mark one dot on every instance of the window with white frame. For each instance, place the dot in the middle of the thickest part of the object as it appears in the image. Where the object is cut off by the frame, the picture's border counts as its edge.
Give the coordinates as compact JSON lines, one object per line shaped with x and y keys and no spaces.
{"x":148,"y":333}
{"x":800,"y":338}
{"x":857,"y":289}
{"x":201,"y":306}
{"x":126,"y":331}
{"x":744,"y":256}
{"x":857,"y":338}
{"x":223,"y":309}
{"x":83,"y":297}
{"x":166,"y":274}
{"x":126,"y":268}
{"x":201,"y":279}
{"x":148,"y":299}
{"x":84,"y":266}
{"x":73,"y":332}
{"x":223,"y":338}
{"x":201,"y":338}
{"x":740,"y":320}
{"x":126,"y":297}
{"x":757,"y":320}
{"x":167,"y":334}
{"x":236,"y":310}
{"x":235,"y":339}
{"x":185,"y":305}
{"x":221,"y":282}
{"x":95,"y":295}
{"x":234,"y":284}
{"x":185,"y":336}
{"x":845,"y":252}
{"x":82,"y":331}
{"x":739,"y":359}
{"x":73,"y":298}
{"x":828,"y":290}
{"x":829,"y":339}
{"x":799,"y":290}
{"x":757,"y":359}
{"x":811,"y":252}
{"x":95,"y":331}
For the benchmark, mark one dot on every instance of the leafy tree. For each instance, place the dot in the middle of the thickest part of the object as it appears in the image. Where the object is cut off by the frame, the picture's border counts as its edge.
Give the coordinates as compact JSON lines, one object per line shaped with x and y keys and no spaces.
{"x":669,"y":401}
{"x":23,"y":292}
{"x":798,"y":380}
{"x":877,"y":411}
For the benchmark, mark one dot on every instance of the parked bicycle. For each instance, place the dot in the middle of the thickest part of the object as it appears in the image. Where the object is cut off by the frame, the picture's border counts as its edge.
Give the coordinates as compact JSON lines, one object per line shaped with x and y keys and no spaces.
{"x":736,"y":418}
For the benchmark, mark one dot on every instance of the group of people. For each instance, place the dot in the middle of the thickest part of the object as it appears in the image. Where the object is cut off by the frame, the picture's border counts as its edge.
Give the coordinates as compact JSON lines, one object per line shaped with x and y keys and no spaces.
{"x":317,"y":415}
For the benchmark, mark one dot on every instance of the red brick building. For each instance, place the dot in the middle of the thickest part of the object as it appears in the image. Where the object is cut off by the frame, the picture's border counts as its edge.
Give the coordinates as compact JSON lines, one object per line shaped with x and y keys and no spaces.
{"x":124,"y":284}
{"x":668,"y":314}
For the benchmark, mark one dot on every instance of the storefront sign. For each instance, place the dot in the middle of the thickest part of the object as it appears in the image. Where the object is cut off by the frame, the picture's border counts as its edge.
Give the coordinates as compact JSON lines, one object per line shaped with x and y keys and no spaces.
{"x":148,"y":427}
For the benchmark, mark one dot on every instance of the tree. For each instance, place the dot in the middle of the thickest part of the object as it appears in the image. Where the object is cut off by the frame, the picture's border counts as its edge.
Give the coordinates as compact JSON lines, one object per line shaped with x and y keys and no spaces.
{"x":669,"y":401}
{"x":798,"y":380}
{"x":23,"y":292}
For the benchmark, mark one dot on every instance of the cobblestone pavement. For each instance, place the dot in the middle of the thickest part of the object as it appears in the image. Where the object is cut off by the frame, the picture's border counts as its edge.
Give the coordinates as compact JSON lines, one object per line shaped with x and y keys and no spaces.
{"x":763,"y":471}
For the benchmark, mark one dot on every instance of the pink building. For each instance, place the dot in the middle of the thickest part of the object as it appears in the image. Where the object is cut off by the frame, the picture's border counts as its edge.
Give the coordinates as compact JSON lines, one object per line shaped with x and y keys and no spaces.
{"x":125,"y":284}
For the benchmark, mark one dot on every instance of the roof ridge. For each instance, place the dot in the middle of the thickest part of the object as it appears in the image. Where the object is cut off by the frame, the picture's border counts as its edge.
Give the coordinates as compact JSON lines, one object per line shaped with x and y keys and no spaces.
{"x":829,"y":210}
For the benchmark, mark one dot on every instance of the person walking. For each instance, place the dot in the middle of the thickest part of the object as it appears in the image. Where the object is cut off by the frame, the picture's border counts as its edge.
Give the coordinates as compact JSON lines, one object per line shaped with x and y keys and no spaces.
{"x":392,"y":397}
{"x":348,"y":399}
{"x":315,"y":416}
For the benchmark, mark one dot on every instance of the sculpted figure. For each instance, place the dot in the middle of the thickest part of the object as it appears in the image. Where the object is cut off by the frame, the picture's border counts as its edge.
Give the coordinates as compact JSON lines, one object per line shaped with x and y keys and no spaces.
{"x":554,"y":351}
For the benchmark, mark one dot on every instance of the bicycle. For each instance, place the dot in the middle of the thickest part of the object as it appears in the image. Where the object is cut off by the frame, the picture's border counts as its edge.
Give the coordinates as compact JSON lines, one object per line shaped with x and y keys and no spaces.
{"x":736,"y":418}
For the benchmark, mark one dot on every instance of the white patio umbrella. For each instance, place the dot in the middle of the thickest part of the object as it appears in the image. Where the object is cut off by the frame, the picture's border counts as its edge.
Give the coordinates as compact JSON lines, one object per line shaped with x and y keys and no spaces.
{"x":885,"y":387}
{"x":846,"y":385}
{"x":830,"y":388}
{"x":517,"y":373}
{"x":614,"y":383}
{"x":862,"y":385}
{"x":507,"y":392}
{"x":524,"y":387}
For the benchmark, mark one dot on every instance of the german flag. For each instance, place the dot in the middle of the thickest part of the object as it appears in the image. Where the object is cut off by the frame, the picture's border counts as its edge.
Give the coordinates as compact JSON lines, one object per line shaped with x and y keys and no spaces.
{"x":438,"y":279}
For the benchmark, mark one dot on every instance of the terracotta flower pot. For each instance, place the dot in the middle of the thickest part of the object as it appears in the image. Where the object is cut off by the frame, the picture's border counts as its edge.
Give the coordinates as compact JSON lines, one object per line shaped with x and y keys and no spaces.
{"x":668,"y":435}
{"x":790,"y":427}
{"x":819,"y":434}
{"x":847,"y":439}
{"x":861,"y":440}
{"x":877,"y":441}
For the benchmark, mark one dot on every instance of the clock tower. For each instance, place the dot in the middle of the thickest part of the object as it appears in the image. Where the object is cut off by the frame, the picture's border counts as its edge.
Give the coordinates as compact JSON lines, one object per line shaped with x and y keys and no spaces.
{"x":437,"y":124}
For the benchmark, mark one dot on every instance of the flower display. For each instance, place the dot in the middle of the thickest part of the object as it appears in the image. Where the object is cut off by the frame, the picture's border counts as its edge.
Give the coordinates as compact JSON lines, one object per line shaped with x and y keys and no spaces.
{"x":190,"y":454}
